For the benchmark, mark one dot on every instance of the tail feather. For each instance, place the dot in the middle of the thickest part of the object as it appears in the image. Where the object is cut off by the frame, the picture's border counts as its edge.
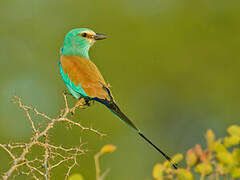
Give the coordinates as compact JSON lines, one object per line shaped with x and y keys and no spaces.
{"x":116,"y":110}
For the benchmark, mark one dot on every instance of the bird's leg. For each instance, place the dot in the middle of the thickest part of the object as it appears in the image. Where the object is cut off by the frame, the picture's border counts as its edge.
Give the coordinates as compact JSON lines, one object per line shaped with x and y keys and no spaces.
{"x":87,"y":103}
{"x":82,"y":104}
{"x":65,"y":92}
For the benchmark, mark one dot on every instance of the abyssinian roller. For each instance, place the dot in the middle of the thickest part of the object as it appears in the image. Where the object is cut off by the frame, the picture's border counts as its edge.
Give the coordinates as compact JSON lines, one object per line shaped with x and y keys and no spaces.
{"x":83,"y":79}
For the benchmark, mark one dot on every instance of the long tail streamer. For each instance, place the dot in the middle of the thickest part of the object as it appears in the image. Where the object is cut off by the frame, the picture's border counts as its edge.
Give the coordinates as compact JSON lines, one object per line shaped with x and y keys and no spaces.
{"x":116,"y":110}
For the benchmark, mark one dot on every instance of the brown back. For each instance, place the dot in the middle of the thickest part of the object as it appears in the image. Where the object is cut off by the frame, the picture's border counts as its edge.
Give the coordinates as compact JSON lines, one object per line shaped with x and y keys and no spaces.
{"x":82,"y":71}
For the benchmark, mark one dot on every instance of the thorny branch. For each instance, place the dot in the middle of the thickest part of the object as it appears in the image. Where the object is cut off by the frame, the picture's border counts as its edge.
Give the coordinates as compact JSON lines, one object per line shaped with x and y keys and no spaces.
{"x":52,"y":155}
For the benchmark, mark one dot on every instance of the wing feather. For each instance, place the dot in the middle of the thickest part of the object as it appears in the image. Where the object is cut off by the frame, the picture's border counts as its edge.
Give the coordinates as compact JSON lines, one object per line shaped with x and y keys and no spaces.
{"x":83,"y":72}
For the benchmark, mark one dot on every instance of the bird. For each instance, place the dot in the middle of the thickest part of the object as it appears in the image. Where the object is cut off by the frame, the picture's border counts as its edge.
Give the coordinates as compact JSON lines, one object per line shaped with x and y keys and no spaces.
{"x":84,"y":80}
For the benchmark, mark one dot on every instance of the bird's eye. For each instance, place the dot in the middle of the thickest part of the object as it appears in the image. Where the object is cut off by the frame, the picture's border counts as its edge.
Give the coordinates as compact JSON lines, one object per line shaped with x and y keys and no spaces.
{"x":84,"y":34}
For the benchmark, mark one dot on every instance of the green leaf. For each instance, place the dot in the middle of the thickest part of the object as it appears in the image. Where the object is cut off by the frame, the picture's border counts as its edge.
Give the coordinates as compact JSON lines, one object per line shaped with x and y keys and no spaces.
{"x":220,"y":168}
{"x":204,"y":168}
{"x":184,"y":174}
{"x":177,"y":158}
{"x":225,"y":158}
{"x":234,"y":130}
{"x":235,"y":173}
{"x":218,"y":147}
{"x":236,"y":155}
{"x":158,"y":171}
{"x":210,"y":137}
{"x":76,"y":177}
{"x":191,"y":157}
{"x":231,"y":141}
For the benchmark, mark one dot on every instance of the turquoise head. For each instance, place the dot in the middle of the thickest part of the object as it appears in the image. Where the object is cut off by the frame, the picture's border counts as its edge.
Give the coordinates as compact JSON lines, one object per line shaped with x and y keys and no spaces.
{"x":78,"y":41}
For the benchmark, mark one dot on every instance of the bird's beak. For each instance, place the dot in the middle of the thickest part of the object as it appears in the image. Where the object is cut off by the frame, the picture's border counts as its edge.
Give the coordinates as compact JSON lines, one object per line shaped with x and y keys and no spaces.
{"x":99,"y":36}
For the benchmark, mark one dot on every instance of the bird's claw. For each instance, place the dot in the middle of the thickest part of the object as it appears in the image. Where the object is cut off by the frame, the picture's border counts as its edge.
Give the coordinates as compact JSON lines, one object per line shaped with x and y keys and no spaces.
{"x":66,"y":93}
{"x":72,"y":111}
{"x":82,"y":104}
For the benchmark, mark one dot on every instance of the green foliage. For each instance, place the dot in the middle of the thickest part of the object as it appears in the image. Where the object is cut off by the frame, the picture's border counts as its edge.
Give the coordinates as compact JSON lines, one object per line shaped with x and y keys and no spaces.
{"x":221,"y":158}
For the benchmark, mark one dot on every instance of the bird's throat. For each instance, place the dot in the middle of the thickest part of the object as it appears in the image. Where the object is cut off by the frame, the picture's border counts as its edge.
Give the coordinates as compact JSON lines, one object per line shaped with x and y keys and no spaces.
{"x":76,"y":51}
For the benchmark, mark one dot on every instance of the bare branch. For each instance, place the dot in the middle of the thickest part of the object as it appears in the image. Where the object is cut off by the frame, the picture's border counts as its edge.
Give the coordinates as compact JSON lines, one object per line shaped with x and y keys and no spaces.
{"x":52,"y":155}
{"x":6,"y":149}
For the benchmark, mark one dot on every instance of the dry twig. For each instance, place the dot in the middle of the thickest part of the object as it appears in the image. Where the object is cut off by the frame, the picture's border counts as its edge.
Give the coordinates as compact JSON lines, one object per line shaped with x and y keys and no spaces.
{"x":53,"y":156}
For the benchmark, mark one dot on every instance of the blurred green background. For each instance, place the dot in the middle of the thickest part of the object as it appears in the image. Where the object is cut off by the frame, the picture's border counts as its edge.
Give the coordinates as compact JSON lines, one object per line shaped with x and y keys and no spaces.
{"x":173,"y":66}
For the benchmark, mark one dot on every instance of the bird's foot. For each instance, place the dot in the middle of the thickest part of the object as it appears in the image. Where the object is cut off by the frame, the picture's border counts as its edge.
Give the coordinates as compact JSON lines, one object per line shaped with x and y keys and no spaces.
{"x":72,"y":110}
{"x":82,"y":104}
{"x":66,"y":93}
